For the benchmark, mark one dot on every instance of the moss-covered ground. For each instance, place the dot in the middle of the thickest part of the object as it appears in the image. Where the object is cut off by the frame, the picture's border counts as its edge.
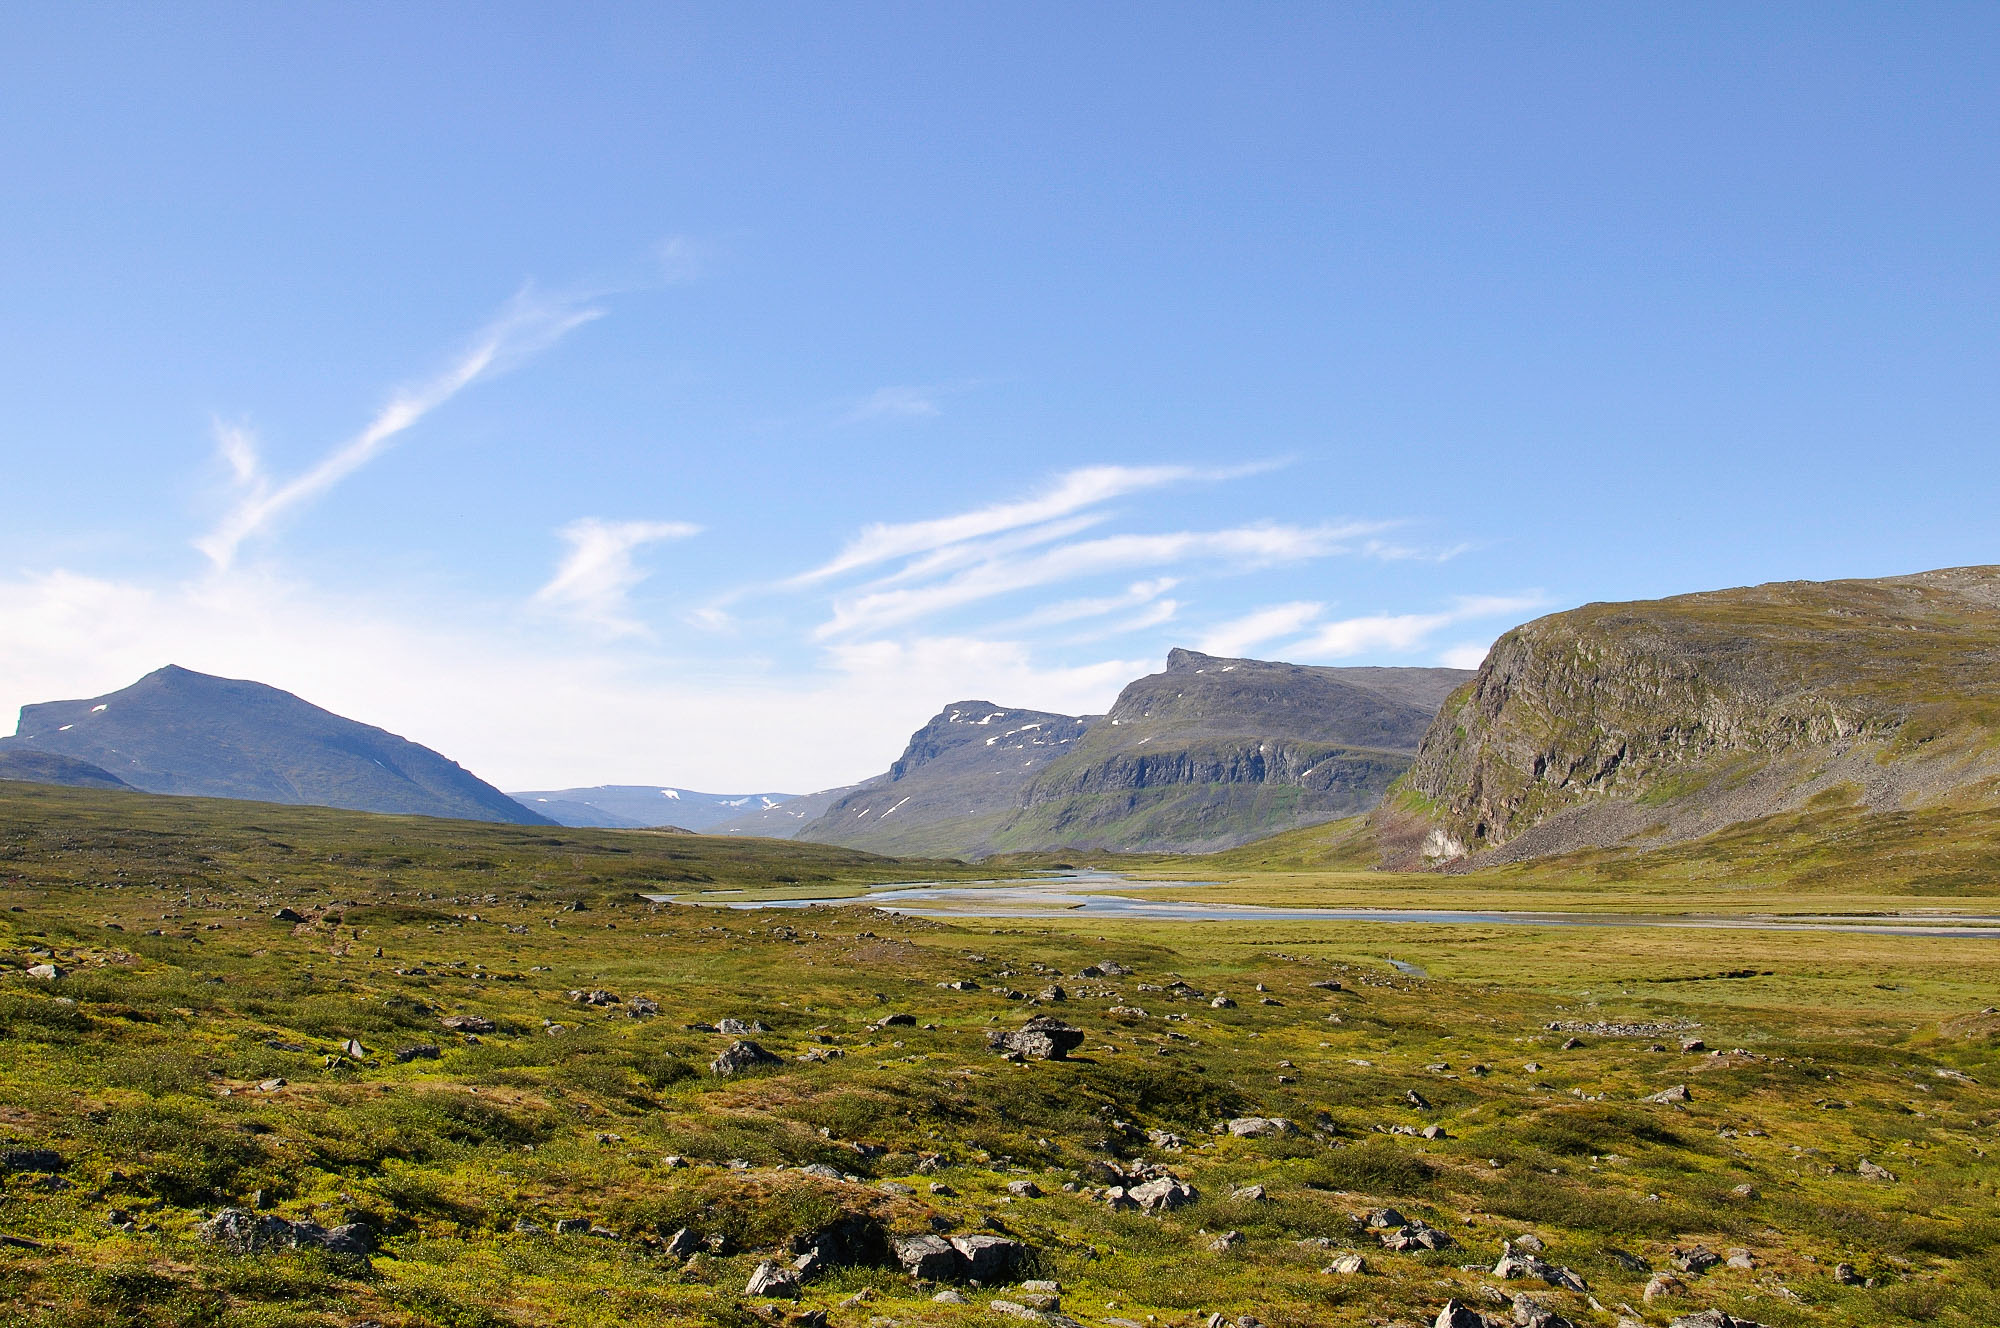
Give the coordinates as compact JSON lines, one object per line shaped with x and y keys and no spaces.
{"x":140,"y":1070}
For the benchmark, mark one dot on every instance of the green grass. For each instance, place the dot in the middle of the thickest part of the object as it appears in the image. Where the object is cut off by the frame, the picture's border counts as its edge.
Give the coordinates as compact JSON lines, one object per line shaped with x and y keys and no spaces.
{"x":120,"y":1067}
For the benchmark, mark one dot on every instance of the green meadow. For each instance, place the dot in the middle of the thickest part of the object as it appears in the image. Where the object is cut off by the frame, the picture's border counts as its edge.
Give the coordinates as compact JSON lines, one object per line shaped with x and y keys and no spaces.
{"x":411,"y":1049}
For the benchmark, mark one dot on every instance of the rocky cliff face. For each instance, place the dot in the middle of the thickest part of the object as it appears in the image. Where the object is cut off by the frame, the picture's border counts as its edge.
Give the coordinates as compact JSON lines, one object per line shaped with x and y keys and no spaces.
{"x":1664,"y":719}
{"x":1213,"y":752}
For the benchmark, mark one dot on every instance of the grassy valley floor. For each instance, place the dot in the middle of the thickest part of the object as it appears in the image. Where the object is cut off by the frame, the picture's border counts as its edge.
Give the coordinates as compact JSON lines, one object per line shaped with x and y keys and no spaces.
{"x":407,"y":1050}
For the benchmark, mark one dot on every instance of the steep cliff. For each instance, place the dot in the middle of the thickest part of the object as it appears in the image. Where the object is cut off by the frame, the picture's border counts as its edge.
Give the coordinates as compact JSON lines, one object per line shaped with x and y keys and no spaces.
{"x":1659,"y":721}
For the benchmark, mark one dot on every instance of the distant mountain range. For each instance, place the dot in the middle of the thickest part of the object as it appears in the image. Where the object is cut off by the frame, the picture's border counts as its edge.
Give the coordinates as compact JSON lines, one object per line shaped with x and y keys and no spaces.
{"x":177,"y":731}
{"x":640,"y":806}
{"x":1210,"y":753}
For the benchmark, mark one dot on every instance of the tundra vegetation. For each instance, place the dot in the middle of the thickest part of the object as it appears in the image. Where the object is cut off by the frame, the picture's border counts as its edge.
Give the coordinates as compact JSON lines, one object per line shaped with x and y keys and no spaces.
{"x":267,"y":1065}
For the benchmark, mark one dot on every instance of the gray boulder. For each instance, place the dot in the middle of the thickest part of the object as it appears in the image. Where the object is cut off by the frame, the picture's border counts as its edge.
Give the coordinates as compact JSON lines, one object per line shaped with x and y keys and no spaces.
{"x":931,"y":1258}
{"x":772,"y":1279}
{"x":989,"y":1259}
{"x":1261,"y":1127}
{"x":1044,"y":1038}
{"x":1161,"y":1194}
{"x":740,"y":1056}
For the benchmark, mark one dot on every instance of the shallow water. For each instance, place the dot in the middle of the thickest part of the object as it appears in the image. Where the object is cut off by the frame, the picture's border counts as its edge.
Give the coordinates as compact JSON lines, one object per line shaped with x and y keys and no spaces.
{"x":1071,"y":893}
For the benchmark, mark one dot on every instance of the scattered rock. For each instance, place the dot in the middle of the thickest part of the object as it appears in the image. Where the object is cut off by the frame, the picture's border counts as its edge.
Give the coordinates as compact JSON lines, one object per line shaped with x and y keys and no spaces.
{"x":1745,"y":1191}
{"x":46,"y":972}
{"x":1870,"y":1171}
{"x":1846,"y":1275}
{"x":1022,"y":1189}
{"x":1162,"y":1194}
{"x":1713,"y":1319}
{"x":1530,"y":1313}
{"x":1456,"y":1315}
{"x":948,"y":1297}
{"x":1261,"y":1127}
{"x":572,"y":1226}
{"x":1416,"y":1236}
{"x":1249,"y":1194}
{"x":681,"y":1244}
{"x":740,"y":1056}
{"x":1678,"y":1093}
{"x":1696,"y":1260}
{"x":288,"y":915}
{"x":771,"y":1279}
{"x":895,"y":1188}
{"x":1044,"y":1037}
{"x":241,"y":1231}
{"x":1742,"y":1259}
{"x":886,"y":1021}
{"x":1663,"y":1284}
{"x":740,"y":1028}
{"x":1416,"y":1099}
{"x":1225,"y":1242}
{"x":1222,"y":1003}
{"x":928,"y":1257}
{"x":1346,"y":1265}
{"x":468,"y":1023}
{"x":423,"y":1051}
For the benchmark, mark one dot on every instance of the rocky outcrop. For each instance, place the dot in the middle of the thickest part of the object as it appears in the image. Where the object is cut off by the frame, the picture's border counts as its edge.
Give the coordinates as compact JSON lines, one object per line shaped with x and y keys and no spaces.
{"x":1663,"y":720}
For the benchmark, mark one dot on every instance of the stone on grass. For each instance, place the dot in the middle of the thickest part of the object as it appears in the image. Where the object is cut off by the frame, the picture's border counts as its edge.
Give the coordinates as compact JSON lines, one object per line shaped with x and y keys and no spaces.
{"x":1871,"y":1171}
{"x":772,"y":1279}
{"x":1261,"y":1127}
{"x":1662,"y":1285}
{"x":1678,"y":1093}
{"x":1713,"y":1319}
{"x":740,"y":1027}
{"x":929,"y":1257}
{"x":1161,"y":1194}
{"x":740,"y":1056}
{"x":1456,"y":1315}
{"x":1024,"y":1189}
{"x":989,"y":1259}
{"x":1347,"y":1265}
{"x":1044,"y":1038}
{"x":1249,"y":1194}
{"x":467,"y":1023}
{"x":681,"y":1244}
{"x":46,"y":972}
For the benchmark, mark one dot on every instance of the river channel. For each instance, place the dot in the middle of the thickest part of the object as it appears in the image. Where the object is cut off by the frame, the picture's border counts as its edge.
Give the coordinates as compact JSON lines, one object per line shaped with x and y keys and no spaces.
{"x":1071,"y":894}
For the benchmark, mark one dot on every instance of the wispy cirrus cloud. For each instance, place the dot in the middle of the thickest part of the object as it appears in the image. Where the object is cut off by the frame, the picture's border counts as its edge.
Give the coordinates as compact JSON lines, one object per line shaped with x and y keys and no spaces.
{"x":895,"y":403}
{"x":592,"y":582}
{"x":1402,"y":632}
{"x":529,"y":323}
{"x":1070,"y":493}
{"x":1237,"y":635}
{"x":1244,"y":546}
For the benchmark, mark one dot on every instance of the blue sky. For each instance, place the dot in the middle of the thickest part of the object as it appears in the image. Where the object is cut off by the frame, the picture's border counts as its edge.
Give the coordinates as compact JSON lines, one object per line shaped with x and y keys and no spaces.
{"x":704,"y":395}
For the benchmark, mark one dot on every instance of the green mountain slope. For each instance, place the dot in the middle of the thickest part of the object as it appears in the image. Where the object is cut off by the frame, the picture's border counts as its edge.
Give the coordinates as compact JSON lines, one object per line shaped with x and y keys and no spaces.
{"x":1660,"y":722}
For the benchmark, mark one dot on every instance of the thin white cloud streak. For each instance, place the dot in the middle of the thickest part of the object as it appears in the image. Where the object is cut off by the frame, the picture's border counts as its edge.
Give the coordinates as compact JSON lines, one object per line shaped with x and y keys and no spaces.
{"x":1403,"y":632}
{"x":593,"y":581}
{"x":1071,"y":492}
{"x":1074,"y":610}
{"x":1259,"y":545}
{"x":895,"y":403}
{"x":1238,"y":635}
{"x":528,"y":325}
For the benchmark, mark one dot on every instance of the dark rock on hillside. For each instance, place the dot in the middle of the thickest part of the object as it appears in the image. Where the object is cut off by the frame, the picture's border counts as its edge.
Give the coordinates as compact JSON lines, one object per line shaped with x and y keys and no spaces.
{"x":1660,"y":721}
{"x":181,"y":732}
{"x":1045,"y":1038}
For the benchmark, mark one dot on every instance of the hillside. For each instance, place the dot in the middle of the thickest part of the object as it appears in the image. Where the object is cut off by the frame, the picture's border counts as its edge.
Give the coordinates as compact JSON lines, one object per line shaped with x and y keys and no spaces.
{"x":1209,"y":753}
{"x":638,"y":806}
{"x":1215,"y":752}
{"x":1660,"y":722}
{"x":177,"y":731}
{"x":955,"y":782}
{"x":48,"y":768}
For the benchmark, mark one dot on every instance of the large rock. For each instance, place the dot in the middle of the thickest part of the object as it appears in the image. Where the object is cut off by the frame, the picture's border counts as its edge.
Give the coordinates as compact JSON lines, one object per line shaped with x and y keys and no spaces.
{"x":1161,"y":1194}
{"x":1261,"y":1127}
{"x":1713,"y":1319}
{"x":740,"y":1056}
{"x":771,"y":1279}
{"x":241,"y":1231}
{"x":932,"y":1258}
{"x":989,"y":1259}
{"x":1044,"y":1038}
